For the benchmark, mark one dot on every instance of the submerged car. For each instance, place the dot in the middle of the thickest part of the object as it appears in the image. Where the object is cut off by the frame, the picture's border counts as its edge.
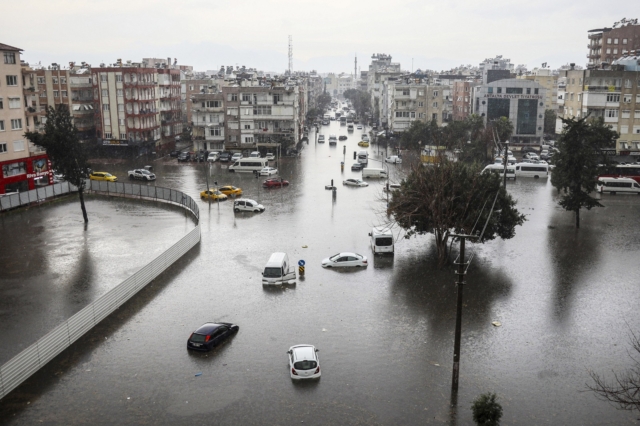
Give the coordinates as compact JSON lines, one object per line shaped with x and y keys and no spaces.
{"x":275,"y":183}
{"x":363,"y":143}
{"x":354,"y":182}
{"x":230,"y":190}
{"x":210,"y":335}
{"x":304,"y":362}
{"x":342,"y":138}
{"x":357,"y":167}
{"x":103,"y":176}
{"x":346,"y":259}
{"x":213,"y":194}
{"x":393,"y":159}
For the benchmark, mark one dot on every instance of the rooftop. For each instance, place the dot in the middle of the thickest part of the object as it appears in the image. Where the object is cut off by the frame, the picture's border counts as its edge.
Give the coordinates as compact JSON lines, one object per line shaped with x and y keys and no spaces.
{"x":6,"y":47}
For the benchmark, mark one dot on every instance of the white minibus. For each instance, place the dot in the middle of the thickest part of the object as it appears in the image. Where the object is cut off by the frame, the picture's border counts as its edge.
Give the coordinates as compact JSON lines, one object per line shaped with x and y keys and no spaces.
{"x":499,"y":170}
{"x":532,"y":170}
{"x":249,"y":165}
{"x":614,"y":185}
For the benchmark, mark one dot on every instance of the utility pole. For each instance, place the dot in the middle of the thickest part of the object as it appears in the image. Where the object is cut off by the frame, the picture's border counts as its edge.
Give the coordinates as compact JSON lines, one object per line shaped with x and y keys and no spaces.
{"x":456,"y":346}
{"x":506,"y":158}
{"x":290,"y":55}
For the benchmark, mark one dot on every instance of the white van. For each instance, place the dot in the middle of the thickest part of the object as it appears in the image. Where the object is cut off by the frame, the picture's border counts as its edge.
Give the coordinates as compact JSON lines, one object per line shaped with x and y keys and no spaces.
{"x":249,"y":165}
{"x":372,"y":172}
{"x":381,"y":241}
{"x":614,"y":185}
{"x":278,"y":270}
{"x":499,"y":170}
{"x":363,"y":157}
{"x":532,"y":170}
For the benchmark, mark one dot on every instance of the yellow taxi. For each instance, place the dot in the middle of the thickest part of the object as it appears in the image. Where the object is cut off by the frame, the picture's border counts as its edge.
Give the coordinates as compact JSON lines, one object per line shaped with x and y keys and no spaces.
{"x":103,"y":176}
{"x":212,"y":194}
{"x":231,"y":191}
{"x":363,"y":143}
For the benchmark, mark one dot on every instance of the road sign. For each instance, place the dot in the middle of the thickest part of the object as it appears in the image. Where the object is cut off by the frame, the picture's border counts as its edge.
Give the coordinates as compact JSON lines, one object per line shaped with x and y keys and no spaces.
{"x":300,"y":262}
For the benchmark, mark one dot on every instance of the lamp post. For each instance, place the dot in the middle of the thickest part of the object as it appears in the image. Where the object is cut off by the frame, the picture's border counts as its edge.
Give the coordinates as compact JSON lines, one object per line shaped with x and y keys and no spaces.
{"x":506,"y":161}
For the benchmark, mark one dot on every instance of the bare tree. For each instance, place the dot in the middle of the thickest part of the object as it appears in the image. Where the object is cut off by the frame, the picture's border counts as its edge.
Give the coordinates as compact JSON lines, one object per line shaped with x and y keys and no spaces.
{"x":624,"y":390}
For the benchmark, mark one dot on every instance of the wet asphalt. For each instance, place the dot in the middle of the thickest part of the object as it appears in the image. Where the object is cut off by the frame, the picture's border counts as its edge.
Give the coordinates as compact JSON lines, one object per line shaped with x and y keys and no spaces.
{"x":565,"y":299}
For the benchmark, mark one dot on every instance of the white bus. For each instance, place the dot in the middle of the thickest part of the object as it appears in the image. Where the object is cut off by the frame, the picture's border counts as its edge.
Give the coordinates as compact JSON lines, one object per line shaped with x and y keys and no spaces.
{"x":532,"y":170}
{"x":614,"y":185}
{"x":499,"y":170}
{"x":249,"y":164}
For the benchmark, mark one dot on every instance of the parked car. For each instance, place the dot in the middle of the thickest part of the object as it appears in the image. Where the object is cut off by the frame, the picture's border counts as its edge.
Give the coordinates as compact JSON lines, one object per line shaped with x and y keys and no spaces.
{"x":356,"y":167}
{"x":320,"y":138}
{"x":210,"y":335}
{"x":199,"y":156}
{"x":325,"y":122}
{"x":213,"y":194}
{"x":275,"y":183}
{"x":225,"y":157}
{"x":103,"y":176}
{"x":142,"y":174}
{"x":230,"y":191}
{"x":268,"y":171}
{"x":365,"y":137}
{"x":213,"y":156}
{"x":174,"y":153}
{"x":304,"y":362}
{"x":354,"y":182}
{"x":236,"y":157}
{"x":255,"y":154}
{"x":184,"y":156}
{"x":359,"y":127}
{"x":342,"y":138}
{"x":247,"y":205}
{"x":393,"y":159}
{"x":270,"y":156}
{"x":346,"y":259}
{"x":363,"y":143}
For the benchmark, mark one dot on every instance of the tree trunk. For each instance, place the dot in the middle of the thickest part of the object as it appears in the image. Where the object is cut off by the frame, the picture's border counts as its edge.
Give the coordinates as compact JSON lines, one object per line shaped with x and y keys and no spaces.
{"x":441,"y":247}
{"x":84,"y":210}
{"x":577,"y":218}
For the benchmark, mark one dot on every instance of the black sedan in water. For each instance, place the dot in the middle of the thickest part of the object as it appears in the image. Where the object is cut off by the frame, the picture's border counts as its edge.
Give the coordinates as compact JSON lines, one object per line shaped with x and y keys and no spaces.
{"x":210,"y":335}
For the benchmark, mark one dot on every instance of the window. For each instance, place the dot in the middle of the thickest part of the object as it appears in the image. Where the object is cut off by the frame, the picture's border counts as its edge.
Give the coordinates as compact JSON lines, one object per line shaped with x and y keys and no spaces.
{"x":615,"y":51}
{"x":517,"y":90}
{"x":103,"y":77}
{"x":1,"y":125}
{"x":120,"y":107}
{"x":105,"y":107}
{"x":16,"y":124}
{"x":627,"y":83}
{"x":499,"y":90}
{"x":420,"y":104}
{"x":608,"y":41}
{"x":608,"y":50}
{"x":105,"y":92}
{"x":56,"y":93}
{"x":211,"y":104}
{"x":420,"y":92}
{"x":55,"y":80}
{"x":12,"y":80}
{"x":14,"y":103}
{"x":413,"y":115}
{"x":64,"y":93}
{"x":624,"y":130}
{"x":247,"y":126}
{"x":613,"y":97}
{"x":405,"y":93}
{"x":3,"y":147}
{"x":615,"y":41}
{"x":119,"y":92}
{"x":215,"y":131}
{"x":121,"y":121}
{"x":246,"y":97}
{"x":248,"y":139}
{"x":489,"y":89}
{"x":435,"y":93}
{"x":9,"y":57}
{"x":627,"y":99}
{"x":41,"y":80}
{"x":434,"y":116}
{"x":119,"y":77}
{"x":276,"y":98}
{"x":571,"y":97}
{"x":234,"y":97}
{"x":626,"y":113}
{"x":528,"y":90}
{"x":107,"y":135}
{"x":262,"y":110}
{"x":18,"y":145}
{"x":611,"y":113}
{"x":435,"y":105}
{"x":624,"y":41}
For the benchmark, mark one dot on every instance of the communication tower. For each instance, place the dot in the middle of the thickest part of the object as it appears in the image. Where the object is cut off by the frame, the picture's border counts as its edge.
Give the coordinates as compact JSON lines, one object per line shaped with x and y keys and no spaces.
{"x":290,"y":55}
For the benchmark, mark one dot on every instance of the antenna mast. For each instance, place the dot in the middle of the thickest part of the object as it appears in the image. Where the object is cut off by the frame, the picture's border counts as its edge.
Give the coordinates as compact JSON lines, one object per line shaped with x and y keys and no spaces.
{"x":290,"y":55}
{"x":355,"y":71}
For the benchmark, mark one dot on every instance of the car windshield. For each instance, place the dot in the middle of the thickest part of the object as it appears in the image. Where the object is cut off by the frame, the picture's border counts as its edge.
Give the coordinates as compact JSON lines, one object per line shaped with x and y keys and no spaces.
{"x":272,"y":272}
{"x":197,"y":338}
{"x":384,"y":241}
{"x":335,"y":257}
{"x":305,"y":365}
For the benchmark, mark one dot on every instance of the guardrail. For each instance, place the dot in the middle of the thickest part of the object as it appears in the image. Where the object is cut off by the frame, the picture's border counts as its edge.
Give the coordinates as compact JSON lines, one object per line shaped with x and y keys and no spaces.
{"x":22,"y":366}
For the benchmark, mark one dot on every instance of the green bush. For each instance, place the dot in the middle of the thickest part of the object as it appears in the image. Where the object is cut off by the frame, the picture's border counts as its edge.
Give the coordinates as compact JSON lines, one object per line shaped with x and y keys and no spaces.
{"x":486,"y":411}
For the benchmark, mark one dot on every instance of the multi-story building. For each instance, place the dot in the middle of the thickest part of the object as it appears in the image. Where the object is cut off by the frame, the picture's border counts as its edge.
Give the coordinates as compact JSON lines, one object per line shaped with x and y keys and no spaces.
{"x":462,"y":99}
{"x":545,"y":78}
{"x":608,"y":44}
{"x":497,"y":68}
{"x":22,"y":168}
{"x":381,"y":69}
{"x":521,"y":101}
{"x":169,"y":105}
{"x":207,"y":111}
{"x":82,"y":101}
{"x":613,"y":94}
{"x":414,"y":99}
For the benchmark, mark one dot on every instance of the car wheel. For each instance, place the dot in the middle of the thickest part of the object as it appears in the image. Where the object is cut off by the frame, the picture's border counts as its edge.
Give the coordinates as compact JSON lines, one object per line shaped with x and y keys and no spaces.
{"x":236,"y":210}
{"x":130,"y":177}
{"x":256,"y":211}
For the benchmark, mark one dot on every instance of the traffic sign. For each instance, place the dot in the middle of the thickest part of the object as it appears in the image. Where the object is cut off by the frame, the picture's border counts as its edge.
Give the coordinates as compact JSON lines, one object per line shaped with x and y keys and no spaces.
{"x":300,"y":262}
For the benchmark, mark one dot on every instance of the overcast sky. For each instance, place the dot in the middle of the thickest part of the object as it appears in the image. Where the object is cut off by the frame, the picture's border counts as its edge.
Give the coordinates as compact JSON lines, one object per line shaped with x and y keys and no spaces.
{"x":326,"y":34}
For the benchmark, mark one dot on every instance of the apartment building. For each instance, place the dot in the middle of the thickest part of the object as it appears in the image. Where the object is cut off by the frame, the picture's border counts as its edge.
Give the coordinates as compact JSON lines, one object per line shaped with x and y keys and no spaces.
{"x":414,"y":99}
{"x":521,"y":101}
{"x":380,"y":70}
{"x":462,"y":99}
{"x":545,"y":78}
{"x":613,"y":94}
{"x":169,"y":105}
{"x":207,"y":109}
{"x":608,"y":44}
{"x":22,"y":169}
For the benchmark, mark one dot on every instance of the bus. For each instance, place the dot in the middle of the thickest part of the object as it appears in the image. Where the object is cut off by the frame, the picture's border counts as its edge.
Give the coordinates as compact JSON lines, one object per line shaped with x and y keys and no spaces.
{"x":343,"y":120}
{"x":249,"y":164}
{"x":499,"y":170}
{"x":622,"y":170}
{"x":532,"y":170}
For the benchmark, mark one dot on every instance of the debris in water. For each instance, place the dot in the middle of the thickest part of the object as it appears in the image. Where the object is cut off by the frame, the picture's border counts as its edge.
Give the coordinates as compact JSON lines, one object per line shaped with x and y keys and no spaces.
{"x":305,"y":246}
{"x":496,"y":323}
{"x":198,"y":374}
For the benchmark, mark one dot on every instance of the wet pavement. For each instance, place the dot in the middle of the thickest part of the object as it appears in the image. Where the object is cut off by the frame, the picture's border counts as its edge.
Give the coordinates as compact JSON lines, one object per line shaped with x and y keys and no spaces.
{"x":565,"y":298}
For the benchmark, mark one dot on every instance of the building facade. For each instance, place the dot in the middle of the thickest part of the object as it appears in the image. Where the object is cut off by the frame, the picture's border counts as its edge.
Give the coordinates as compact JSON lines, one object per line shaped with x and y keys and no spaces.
{"x":608,"y":44}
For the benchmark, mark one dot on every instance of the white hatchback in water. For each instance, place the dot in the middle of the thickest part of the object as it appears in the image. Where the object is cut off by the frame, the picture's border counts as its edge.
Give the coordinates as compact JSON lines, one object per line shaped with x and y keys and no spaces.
{"x":268,"y":171}
{"x":304,"y":362}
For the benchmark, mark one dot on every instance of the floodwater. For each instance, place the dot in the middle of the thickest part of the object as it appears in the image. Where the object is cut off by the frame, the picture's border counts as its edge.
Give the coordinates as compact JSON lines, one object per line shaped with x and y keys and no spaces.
{"x":566,"y":300}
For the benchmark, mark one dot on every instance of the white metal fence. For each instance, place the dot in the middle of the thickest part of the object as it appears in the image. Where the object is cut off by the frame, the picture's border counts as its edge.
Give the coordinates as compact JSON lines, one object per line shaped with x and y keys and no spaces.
{"x":22,"y":366}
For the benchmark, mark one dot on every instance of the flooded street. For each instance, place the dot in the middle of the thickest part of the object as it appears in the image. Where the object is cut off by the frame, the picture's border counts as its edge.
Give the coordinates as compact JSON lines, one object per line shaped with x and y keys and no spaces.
{"x":566,"y":300}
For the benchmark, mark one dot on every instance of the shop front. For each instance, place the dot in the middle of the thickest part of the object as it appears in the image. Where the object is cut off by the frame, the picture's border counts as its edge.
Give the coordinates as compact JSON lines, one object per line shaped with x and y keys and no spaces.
{"x":24,"y":174}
